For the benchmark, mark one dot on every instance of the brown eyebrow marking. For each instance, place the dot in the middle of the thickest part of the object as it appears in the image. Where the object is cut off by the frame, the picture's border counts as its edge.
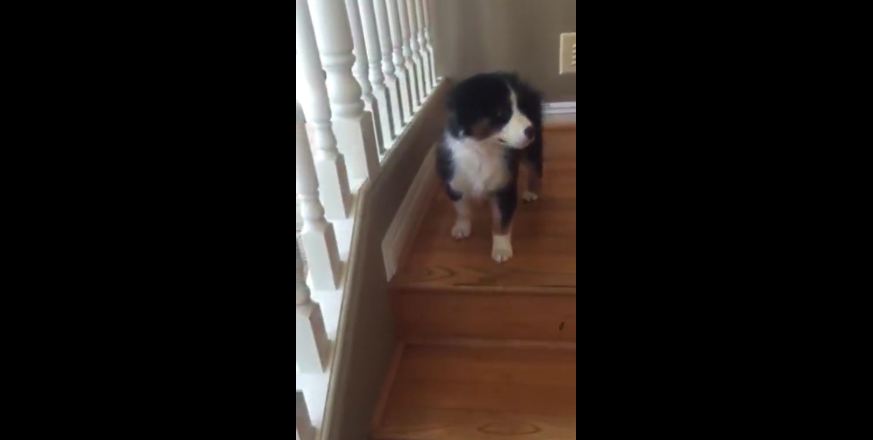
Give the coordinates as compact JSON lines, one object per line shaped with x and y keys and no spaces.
{"x":481,"y":129}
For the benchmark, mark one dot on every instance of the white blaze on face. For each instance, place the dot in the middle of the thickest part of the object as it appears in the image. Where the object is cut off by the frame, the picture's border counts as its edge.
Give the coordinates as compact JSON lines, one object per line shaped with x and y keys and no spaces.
{"x":513,"y":131}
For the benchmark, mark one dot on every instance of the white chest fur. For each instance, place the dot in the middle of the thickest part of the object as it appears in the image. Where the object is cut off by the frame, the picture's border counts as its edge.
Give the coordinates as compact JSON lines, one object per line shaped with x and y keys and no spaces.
{"x":479,"y":168}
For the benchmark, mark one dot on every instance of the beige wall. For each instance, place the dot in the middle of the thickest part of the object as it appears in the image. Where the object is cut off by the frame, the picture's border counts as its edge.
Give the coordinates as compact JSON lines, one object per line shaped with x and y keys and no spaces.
{"x":474,"y":36}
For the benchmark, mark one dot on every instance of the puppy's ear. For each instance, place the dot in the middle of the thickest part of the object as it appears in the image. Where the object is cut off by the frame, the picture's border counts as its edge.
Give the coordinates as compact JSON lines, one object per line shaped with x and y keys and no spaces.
{"x":451,"y":99}
{"x":512,"y":77}
{"x":454,"y":120}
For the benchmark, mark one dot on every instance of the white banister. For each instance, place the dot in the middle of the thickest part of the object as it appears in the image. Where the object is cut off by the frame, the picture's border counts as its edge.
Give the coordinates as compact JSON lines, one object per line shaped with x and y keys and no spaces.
{"x":403,"y":76}
{"x":416,"y":55}
{"x":391,"y":80}
{"x":377,"y":79}
{"x":304,"y":428}
{"x":312,"y":348}
{"x":406,"y":36}
{"x":422,"y":47}
{"x":361,"y":69}
{"x":318,"y":237}
{"x":353,"y":126}
{"x":427,"y":39}
{"x":329,"y":162}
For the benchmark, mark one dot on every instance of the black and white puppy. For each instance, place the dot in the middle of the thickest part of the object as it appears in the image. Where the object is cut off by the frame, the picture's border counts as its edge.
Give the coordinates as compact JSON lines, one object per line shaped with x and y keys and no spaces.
{"x":494,"y":125}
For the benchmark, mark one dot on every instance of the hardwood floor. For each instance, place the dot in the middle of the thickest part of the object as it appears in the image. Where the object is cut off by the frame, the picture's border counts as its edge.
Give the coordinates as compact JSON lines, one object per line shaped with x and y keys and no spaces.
{"x":488,"y":349}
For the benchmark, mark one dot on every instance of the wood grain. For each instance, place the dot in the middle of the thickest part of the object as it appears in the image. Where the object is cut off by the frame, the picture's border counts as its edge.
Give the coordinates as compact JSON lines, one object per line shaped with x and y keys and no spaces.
{"x":482,"y":393}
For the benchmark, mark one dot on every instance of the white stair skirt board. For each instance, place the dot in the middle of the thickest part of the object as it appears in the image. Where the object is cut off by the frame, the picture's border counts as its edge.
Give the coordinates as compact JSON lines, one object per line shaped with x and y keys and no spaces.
{"x":410,"y":214}
{"x":559,"y":113}
{"x":355,"y":326}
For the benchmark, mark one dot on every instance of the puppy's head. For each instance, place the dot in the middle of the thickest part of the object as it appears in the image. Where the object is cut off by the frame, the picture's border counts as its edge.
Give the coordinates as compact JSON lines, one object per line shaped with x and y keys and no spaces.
{"x":487,"y":107}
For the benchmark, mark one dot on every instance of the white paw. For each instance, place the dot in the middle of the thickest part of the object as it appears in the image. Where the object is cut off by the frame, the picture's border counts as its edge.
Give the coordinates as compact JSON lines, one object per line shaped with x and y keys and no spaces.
{"x":501,"y":249}
{"x":529,"y":196}
{"x":461,"y":229}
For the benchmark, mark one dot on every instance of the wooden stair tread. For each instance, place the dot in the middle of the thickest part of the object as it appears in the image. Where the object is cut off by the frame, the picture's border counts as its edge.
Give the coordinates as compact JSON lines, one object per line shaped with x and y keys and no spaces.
{"x":544,"y":239}
{"x":450,"y":392}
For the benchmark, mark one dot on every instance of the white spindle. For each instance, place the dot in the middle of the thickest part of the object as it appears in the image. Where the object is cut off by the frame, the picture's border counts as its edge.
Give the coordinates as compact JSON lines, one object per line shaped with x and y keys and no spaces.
{"x":427,"y":39}
{"x":329,"y":163}
{"x":392,"y":82}
{"x":422,"y":47}
{"x":413,"y":46}
{"x":305,"y":430}
{"x":312,"y":343}
{"x":318,"y":237}
{"x":352,"y":125}
{"x":361,"y":69}
{"x":406,"y":50}
{"x":403,"y":76}
{"x":377,"y":79}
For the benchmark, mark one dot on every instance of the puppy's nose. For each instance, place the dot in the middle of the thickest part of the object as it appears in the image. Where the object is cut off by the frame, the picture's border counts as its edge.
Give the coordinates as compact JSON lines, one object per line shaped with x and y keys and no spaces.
{"x":529,"y":132}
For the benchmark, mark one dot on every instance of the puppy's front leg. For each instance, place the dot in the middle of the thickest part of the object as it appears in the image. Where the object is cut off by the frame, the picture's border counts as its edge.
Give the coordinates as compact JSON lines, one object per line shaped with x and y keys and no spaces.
{"x":463,"y":225}
{"x":503,"y":205}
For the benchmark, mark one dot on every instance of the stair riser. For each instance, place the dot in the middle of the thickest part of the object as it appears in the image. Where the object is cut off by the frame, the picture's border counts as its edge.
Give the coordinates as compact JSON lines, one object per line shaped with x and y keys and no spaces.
{"x":423,"y":316}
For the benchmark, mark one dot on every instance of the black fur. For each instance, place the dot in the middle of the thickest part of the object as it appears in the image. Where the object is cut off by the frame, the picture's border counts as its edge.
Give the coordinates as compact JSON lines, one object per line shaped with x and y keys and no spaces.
{"x":481,"y":105}
{"x":484,"y":97}
{"x":445,"y":171}
{"x":507,"y":201}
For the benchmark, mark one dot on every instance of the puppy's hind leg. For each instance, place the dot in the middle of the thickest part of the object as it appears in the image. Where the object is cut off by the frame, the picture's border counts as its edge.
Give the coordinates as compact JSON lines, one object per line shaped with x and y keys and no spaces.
{"x":534,"y":182}
{"x":532,"y":161}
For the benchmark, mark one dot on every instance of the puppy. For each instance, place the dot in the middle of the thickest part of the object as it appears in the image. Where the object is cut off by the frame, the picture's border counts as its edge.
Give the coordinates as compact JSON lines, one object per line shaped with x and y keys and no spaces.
{"x":494,"y":126}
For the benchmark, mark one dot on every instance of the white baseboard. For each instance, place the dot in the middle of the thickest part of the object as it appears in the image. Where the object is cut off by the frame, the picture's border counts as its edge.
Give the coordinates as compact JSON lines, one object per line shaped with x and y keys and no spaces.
{"x":409,"y":214}
{"x":559,"y":113}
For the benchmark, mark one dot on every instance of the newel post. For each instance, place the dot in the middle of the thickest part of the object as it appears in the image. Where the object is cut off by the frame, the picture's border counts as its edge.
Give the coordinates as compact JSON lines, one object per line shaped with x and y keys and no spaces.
{"x":403,"y":76}
{"x":304,"y":428}
{"x":329,"y":162}
{"x":407,"y":52}
{"x":380,"y":82}
{"x":353,"y":126}
{"x":318,"y":237}
{"x":428,"y":26}
{"x":361,"y":69}
{"x":422,"y":48}
{"x":392,"y":82}
{"x":312,"y":348}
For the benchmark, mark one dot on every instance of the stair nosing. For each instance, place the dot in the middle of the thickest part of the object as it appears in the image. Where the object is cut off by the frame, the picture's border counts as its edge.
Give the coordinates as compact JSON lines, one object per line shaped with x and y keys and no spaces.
{"x":405,"y":289}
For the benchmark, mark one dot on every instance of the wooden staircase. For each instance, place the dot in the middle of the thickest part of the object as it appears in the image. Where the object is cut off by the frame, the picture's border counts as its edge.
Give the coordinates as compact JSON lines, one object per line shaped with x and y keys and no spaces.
{"x":488,"y":350}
